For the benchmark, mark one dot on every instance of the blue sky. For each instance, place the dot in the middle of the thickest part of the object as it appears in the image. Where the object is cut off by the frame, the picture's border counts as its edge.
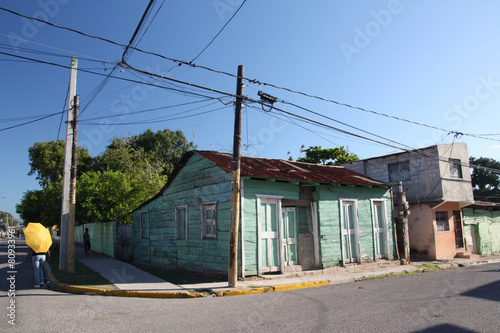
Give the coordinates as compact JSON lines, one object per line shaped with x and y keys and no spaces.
{"x":428,"y":62}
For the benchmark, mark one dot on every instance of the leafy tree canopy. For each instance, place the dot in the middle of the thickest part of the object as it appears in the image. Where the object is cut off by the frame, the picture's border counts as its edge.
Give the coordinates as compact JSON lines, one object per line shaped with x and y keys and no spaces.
{"x":161,"y":148}
{"x":47,"y":161}
{"x":485,"y":184}
{"x":109,"y":186}
{"x":327,"y":156}
{"x":43,"y":206}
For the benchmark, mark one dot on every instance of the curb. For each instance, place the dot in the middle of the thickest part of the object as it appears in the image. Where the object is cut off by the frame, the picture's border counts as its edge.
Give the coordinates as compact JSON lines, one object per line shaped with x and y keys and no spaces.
{"x":262,"y":290}
{"x":56,"y":285}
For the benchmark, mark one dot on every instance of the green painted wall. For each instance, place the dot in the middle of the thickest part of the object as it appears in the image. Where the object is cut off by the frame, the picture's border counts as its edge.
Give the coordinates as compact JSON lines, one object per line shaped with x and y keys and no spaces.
{"x":102,"y":236}
{"x":329,"y":221}
{"x":328,"y":218}
{"x":199,"y":181}
{"x":251,"y":189}
{"x":487,"y":229}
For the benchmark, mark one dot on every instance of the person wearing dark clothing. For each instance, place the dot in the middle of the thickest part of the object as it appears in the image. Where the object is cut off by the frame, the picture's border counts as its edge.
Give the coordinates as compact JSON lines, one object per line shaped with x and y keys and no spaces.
{"x":86,"y":241}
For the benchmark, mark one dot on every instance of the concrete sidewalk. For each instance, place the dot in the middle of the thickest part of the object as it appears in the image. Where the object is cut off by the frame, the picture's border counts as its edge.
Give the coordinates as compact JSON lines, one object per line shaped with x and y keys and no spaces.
{"x":123,"y":275}
{"x":134,"y":282}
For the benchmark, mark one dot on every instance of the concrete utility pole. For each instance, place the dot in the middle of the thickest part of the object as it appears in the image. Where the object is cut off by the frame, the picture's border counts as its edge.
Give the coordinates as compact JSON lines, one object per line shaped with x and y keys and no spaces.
{"x":67,"y":249}
{"x":235,"y":188}
{"x":403,"y":209}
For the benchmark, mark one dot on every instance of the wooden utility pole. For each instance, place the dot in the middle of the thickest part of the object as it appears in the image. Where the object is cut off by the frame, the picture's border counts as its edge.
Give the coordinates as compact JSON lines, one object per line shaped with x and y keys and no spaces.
{"x":72,"y":189}
{"x":67,"y":245}
{"x":235,"y":188}
{"x":403,"y":212}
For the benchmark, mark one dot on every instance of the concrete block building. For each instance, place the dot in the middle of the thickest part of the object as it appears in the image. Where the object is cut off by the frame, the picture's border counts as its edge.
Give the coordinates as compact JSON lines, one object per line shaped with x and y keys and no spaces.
{"x":437,"y":182}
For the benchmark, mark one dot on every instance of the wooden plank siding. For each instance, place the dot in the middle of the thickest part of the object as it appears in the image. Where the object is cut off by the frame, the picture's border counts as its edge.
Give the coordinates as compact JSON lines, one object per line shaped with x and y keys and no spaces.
{"x":198,"y":182}
{"x":201,"y":180}
{"x":329,"y":221}
{"x":260,"y":187}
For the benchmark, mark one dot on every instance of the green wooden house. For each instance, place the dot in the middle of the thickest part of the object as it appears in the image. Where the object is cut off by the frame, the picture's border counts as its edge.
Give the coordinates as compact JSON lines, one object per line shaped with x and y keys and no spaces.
{"x":294,"y":216}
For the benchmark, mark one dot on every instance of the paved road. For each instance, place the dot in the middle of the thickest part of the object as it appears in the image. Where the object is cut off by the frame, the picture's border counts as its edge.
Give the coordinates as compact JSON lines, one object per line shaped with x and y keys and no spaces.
{"x":458,"y":300}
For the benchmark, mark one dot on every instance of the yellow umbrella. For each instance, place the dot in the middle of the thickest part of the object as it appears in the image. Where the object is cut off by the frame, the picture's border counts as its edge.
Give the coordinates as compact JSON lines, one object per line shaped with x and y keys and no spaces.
{"x":37,"y":237}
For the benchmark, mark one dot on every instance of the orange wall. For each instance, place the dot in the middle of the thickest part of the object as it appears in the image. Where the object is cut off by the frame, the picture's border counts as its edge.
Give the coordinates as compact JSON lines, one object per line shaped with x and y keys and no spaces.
{"x":445,"y":240}
{"x":424,"y":237}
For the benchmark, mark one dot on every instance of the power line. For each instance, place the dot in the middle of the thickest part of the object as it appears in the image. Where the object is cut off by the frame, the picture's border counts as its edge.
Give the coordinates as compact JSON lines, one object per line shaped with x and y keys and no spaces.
{"x":30,"y":122}
{"x":80,"y":55}
{"x":150,"y":110}
{"x":254,"y":81}
{"x":220,"y":31}
{"x":160,"y":119}
{"x":134,"y":35}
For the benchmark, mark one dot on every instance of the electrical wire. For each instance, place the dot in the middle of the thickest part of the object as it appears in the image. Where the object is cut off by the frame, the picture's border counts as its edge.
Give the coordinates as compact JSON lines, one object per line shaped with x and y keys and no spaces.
{"x":254,"y":81}
{"x":149,"y":110}
{"x":30,"y":122}
{"x":159,"y":119}
{"x":220,"y":31}
{"x":139,"y":25}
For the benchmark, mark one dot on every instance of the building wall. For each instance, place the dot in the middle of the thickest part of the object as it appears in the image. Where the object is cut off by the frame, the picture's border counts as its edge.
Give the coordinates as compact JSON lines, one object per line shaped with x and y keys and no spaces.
{"x":102,"y":237}
{"x":421,"y":230}
{"x":455,"y":189}
{"x":199,"y":181}
{"x":425,"y":239}
{"x":430,"y":176}
{"x":251,"y":189}
{"x":329,"y":221}
{"x":486,"y":226}
{"x":202,"y":181}
{"x":445,"y":240}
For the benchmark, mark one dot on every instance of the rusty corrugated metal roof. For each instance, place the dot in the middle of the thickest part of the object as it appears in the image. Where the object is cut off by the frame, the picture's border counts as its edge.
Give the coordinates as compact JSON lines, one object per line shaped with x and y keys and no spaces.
{"x":289,"y":170}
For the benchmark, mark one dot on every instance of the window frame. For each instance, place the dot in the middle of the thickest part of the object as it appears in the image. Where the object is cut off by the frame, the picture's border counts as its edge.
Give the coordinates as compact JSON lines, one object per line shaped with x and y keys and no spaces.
{"x":455,"y":168}
{"x":394,"y":177}
{"x":178,"y":211}
{"x":440,"y":226}
{"x":144,"y":224}
{"x":212,"y":205}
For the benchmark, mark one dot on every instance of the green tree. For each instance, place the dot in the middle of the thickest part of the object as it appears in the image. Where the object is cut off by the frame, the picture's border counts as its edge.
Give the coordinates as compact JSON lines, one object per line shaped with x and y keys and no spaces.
{"x":43,"y":206}
{"x":130,"y":171}
{"x":111,"y":195}
{"x":163,"y":148}
{"x":47,"y":161}
{"x":328,"y":156}
{"x":485,"y":184}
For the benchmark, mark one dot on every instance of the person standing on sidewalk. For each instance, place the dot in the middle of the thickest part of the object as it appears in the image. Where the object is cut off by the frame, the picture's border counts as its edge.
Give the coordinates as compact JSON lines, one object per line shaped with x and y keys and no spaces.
{"x":38,"y":259}
{"x":86,"y":241}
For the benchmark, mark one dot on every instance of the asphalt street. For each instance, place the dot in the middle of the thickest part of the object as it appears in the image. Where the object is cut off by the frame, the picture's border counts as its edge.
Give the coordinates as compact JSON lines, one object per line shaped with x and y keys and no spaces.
{"x":456,"y":300}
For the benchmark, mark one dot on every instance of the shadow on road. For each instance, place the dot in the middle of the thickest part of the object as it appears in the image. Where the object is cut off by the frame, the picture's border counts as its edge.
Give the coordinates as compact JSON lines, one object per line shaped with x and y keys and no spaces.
{"x":444,"y":328}
{"x":490,"y":291}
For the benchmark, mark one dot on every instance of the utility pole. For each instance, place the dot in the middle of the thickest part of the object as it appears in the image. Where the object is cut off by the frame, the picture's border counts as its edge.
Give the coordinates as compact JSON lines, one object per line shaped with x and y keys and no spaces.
{"x":67,"y":249}
{"x":403,"y":212}
{"x":72,"y":189}
{"x":235,"y":188}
